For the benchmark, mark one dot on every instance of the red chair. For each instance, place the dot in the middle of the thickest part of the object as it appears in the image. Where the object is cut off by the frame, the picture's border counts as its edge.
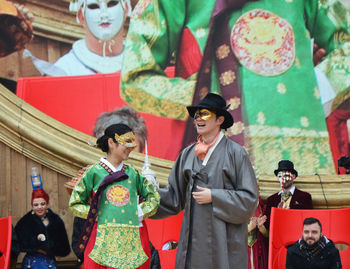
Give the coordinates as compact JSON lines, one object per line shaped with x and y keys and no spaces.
{"x":286,"y":228}
{"x":162,"y":231}
{"x":5,"y":241}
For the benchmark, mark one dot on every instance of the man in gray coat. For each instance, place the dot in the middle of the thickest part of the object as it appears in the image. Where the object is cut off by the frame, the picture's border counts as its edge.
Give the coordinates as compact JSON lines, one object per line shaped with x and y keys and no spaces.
{"x":214,"y":183}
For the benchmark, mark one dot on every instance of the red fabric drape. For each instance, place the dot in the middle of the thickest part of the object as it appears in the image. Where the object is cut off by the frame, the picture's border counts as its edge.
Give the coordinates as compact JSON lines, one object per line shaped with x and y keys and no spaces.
{"x":78,"y":101}
{"x":338,"y":135}
{"x":189,"y":57}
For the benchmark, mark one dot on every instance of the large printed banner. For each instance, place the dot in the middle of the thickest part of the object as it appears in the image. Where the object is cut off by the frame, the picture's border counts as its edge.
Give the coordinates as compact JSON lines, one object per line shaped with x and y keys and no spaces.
{"x":78,"y":101}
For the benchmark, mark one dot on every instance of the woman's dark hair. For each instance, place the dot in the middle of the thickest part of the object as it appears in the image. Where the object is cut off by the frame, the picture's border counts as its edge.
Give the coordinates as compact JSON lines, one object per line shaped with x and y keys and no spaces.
{"x":110,"y":132}
{"x":125,"y":115}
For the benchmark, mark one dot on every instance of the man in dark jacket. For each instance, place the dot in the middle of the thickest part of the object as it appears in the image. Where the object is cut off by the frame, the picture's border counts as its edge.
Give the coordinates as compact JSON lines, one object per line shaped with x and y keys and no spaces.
{"x":313,"y":250}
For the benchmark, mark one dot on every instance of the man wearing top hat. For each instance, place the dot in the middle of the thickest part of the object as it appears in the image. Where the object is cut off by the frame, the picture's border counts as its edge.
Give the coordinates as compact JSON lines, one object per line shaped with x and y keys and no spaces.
{"x":214,"y":183}
{"x":289,"y":196}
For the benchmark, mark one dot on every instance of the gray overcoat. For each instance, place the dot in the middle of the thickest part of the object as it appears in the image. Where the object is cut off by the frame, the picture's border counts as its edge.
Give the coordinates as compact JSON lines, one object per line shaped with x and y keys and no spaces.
{"x":212,"y":235}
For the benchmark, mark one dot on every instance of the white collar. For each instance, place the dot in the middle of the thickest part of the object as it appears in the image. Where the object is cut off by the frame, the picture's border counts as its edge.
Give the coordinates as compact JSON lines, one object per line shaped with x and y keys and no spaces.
{"x":291,"y":190}
{"x":99,"y":64}
{"x":110,"y":166}
{"x":210,"y":151}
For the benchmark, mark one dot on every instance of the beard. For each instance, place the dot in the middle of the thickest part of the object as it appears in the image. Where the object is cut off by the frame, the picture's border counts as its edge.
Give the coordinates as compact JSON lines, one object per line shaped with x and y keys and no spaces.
{"x":313,"y":242}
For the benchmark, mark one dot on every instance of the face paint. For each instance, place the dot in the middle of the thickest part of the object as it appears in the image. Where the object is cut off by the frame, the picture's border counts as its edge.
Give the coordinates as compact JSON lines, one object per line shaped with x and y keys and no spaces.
{"x":39,"y":207}
{"x":285,"y":177}
{"x":204,"y":114}
{"x":104,"y":18}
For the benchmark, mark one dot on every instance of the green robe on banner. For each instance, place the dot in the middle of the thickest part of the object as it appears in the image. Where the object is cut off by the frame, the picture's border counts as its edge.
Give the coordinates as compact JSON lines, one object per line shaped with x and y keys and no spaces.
{"x":336,"y":65}
{"x":282,"y":111}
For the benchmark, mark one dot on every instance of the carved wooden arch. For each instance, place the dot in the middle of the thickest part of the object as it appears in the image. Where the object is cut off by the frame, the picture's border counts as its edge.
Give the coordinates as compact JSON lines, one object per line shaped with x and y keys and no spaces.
{"x":66,"y":150}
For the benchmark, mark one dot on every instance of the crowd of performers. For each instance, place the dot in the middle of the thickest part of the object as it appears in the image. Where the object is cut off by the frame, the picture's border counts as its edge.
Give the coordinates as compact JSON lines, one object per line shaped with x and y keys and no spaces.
{"x":261,"y":62}
{"x":212,"y":181}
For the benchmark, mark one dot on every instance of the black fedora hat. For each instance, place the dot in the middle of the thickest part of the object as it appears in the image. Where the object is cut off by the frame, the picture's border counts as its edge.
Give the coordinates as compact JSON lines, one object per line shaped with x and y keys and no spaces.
{"x":215,"y":103}
{"x":286,"y":165}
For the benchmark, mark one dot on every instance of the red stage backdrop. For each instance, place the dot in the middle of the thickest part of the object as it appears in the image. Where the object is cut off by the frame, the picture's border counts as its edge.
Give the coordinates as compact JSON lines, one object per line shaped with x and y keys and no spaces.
{"x":78,"y":101}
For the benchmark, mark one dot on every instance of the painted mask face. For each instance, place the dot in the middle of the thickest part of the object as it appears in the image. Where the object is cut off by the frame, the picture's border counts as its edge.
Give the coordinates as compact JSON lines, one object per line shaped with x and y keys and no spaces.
{"x":104,"y":18}
{"x":40,"y":207}
{"x":285,"y":178}
{"x":204,"y":114}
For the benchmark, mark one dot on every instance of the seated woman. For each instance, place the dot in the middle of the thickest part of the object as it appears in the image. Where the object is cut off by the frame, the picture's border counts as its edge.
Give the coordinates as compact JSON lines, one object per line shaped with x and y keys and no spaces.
{"x":41,"y":234}
{"x":111,"y":236}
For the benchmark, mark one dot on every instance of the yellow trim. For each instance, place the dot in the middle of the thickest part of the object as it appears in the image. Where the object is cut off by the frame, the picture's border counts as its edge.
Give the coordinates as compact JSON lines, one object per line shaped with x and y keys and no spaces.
{"x":118,"y":247}
{"x":340,"y":98}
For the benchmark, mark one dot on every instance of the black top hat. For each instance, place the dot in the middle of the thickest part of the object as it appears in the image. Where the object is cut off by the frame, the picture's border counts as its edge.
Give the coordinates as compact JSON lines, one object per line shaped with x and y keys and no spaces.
{"x":286,"y":165}
{"x":215,"y":103}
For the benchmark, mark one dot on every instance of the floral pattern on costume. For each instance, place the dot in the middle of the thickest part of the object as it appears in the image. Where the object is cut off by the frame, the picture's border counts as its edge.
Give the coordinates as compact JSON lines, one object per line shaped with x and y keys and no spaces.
{"x":263,"y":42}
{"x":283,"y":141}
{"x":336,"y":64}
{"x":158,"y":96}
{"x":150,"y":45}
{"x":119,"y":253}
{"x":117,"y":231}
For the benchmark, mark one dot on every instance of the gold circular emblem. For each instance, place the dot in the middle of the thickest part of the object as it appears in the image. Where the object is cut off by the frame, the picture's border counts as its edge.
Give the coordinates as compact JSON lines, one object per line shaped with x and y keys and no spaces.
{"x":118,"y":195}
{"x":263,"y":42}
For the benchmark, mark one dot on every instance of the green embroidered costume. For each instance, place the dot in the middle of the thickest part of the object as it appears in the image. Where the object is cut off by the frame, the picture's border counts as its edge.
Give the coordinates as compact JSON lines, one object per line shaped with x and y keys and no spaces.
{"x":118,"y":242}
{"x":282,"y":111}
{"x":336,"y":64}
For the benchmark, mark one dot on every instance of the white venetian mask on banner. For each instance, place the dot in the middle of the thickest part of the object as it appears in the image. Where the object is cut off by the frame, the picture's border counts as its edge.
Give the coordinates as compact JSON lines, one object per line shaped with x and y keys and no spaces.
{"x":104,"y":18}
